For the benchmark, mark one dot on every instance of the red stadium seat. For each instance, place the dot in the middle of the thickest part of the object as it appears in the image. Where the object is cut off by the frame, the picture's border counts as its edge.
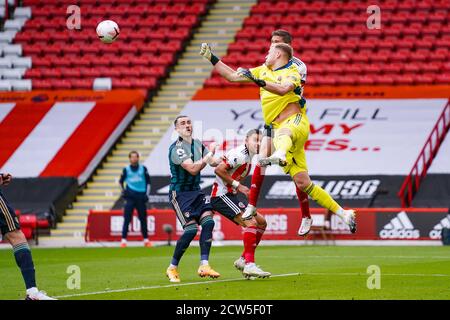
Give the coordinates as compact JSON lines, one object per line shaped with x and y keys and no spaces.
{"x":61,"y":62}
{"x":68,"y":73}
{"x":121,"y":83}
{"x":50,"y":73}
{"x":443,"y":78}
{"x":404,"y":79}
{"x":33,"y":74}
{"x":41,"y":84}
{"x":383,"y":79}
{"x":61,"y":84}
{"x":148,"y":83}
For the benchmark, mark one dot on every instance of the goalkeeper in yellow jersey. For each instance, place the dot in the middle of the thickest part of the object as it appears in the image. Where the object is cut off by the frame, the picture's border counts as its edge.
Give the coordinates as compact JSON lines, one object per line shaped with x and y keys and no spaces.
{"x":278,"y":78}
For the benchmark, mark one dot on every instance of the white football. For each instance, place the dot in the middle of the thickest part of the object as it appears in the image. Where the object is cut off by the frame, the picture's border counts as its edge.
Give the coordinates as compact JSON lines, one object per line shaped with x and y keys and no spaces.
{"x":108,"y":31}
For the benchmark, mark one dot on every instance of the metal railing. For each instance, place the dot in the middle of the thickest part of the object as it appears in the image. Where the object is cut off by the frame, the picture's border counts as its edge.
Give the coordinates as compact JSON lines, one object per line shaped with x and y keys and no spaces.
{"x":420,"y":168}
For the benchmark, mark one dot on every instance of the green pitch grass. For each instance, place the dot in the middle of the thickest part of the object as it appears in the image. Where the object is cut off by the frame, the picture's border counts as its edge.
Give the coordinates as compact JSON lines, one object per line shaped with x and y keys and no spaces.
{"x":301,"y":272}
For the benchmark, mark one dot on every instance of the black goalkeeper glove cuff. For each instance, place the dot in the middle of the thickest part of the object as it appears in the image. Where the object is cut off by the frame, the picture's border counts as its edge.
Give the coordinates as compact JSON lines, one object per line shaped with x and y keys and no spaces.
{"x":246,"y":73}
{"x":214,"y":59}
{"x":260,"y":83}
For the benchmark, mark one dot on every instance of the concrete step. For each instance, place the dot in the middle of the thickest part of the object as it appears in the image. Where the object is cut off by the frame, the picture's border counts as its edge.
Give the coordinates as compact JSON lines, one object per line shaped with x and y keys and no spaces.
{"x":108,"y":172}
{"x":103,"y":192}
{"x":74,"y":220}
{"x":72,"y":225}
{"x":184,"y":82}
{"x":228,"y":20}
{"x":101,"y":185}
{"x":93,"y":205}
{"x":223,"y":5}
{"x":141,"y":146}
{"x":95,"y":199}
{"x":163,"y":110}
{"x":67,"y":233}
{"x":74,"y":212}
{"x":145,"y":140}
{"x":196,"y":43}
{"x":176,"y":99}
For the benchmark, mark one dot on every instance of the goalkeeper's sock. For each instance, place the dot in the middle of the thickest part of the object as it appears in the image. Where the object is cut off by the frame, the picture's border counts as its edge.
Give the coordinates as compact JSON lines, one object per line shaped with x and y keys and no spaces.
{"x":322,"y":197}
{"x":255,"y":188}
{"x":183,"y":243}
{"x":249,"y":244}
{"x":304,"y":203}
{"x":259,"y":235}
{"x":283,"y":143}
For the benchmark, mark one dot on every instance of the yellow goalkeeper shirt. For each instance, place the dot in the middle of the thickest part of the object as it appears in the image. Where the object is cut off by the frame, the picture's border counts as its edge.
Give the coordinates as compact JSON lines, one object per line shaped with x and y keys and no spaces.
{"x":272,"y":104}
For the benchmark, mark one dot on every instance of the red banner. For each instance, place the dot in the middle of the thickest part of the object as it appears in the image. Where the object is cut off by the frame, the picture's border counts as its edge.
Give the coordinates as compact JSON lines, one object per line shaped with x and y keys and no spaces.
{"x":282,"y":224}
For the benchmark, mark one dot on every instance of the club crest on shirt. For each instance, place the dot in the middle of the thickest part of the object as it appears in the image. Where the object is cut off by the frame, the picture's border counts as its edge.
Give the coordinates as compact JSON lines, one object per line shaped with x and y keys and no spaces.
{"x":241,"y":205}
{"x":187,"y":214}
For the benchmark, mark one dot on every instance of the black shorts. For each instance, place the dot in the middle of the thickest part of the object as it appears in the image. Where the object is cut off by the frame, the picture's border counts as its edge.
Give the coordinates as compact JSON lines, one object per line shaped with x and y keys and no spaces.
{"x":189,"y":205}
{"x":229,"y":205}
{"x":8,"y":219}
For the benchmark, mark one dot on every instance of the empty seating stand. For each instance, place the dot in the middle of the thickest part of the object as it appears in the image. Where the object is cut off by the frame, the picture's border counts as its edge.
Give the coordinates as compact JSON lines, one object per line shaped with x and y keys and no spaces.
{"x":332,"y":38}
{"x":152,"y":34}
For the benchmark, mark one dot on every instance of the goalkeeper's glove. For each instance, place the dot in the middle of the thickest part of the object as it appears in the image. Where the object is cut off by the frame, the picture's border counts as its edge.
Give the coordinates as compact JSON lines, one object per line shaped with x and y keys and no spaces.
{"x":205,"y":52}
{"x":246,"y":73}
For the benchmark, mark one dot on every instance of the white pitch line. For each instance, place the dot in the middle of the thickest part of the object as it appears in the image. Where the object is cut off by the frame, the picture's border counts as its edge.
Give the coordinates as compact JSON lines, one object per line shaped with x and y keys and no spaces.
{"x":381,"y":274}
{"x":167,"y":286}
{"x":365,"y":257}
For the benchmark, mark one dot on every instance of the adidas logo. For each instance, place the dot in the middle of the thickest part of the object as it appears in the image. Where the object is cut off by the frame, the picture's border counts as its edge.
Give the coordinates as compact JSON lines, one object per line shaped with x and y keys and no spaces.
{"x":436,"y":232}
{"x":400,"y":227}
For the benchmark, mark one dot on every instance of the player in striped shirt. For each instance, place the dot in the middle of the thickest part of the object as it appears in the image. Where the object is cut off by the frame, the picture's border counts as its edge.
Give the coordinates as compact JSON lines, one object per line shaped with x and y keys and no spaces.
{"x":227,"y":198}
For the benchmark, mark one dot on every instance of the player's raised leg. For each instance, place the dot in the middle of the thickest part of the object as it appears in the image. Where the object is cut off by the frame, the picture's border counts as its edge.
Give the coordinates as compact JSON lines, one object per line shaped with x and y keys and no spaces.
{"x":322,"y":198}
{"x":283,"y":142}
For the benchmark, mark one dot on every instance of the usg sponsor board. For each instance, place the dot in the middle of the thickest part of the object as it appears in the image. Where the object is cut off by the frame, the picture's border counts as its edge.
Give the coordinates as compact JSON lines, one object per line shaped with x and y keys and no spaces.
{"x":347,"y":136}
{"x":279,"y":191}
{"x":283,"y":224}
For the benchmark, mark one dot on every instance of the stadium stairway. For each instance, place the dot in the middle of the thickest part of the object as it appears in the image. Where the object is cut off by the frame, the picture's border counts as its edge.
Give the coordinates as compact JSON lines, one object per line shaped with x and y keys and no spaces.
{"x":219,"y":27}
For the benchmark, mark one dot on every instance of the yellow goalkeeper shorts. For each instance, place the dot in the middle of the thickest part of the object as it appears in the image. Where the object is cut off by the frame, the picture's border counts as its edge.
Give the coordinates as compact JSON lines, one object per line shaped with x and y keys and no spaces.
{"x":298,"y":124}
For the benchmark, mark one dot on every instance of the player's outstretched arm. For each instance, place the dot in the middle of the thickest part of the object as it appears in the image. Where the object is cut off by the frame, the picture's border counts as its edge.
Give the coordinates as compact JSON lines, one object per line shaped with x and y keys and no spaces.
{"x":280,"y":89}
{"x":224,"y":70}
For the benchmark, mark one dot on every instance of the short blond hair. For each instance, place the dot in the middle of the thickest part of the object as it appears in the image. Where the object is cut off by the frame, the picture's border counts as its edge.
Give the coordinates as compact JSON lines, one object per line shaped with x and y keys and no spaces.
{"x":287,"y":49}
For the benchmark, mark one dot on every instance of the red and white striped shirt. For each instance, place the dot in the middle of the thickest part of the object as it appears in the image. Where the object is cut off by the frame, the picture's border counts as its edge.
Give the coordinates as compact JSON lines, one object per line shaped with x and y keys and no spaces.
{"x":239,"y":162}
